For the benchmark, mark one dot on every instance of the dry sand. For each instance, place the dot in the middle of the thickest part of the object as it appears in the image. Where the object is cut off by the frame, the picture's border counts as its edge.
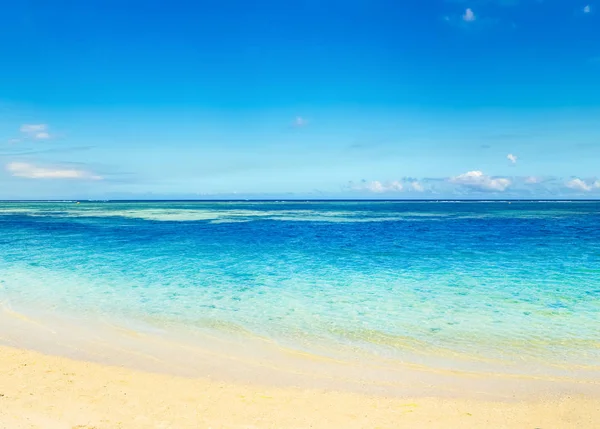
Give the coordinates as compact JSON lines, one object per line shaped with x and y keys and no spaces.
{"x":40,"y":391}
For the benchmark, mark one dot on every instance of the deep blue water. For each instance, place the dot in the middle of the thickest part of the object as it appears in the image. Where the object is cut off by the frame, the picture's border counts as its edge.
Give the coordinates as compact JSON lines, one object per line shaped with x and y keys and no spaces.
{"x":484,"y":280}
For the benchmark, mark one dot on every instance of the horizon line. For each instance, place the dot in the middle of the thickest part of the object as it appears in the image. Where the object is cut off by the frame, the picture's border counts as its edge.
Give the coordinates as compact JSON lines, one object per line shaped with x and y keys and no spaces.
{"x":249,"y":200}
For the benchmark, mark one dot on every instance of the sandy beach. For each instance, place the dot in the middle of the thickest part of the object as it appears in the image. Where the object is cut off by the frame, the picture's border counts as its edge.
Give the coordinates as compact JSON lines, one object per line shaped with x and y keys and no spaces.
{"x":41,"y":391}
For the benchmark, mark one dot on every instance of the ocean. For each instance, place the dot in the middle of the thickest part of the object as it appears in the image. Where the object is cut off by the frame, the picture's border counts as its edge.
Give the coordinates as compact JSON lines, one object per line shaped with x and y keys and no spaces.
{"x":463,"y":285}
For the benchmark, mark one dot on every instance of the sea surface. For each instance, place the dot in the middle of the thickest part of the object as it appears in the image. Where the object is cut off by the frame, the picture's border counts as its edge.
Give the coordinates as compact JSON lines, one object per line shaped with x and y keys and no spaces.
{"x":515,"y":283}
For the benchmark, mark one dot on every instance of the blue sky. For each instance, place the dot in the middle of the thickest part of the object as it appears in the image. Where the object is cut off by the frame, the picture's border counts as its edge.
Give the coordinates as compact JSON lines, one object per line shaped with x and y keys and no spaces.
{"x":321,"y":99}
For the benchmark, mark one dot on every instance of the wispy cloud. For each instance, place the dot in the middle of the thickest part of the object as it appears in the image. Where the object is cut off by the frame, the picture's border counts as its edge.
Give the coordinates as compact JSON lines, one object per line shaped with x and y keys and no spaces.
{"x":26,"y":152}
{"x":512,"y":158}
{"x":33,"y":128}
{"x":587,"y":9}
{"x":478,"y":181}
{"x":31,"y":171}
{"x":299,"y":121}
{"x":35,"y":131}
{"x":469,"y":15}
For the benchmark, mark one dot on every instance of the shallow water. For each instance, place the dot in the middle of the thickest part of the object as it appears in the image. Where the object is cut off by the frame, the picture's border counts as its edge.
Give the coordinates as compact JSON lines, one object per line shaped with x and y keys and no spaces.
{"x":451,"y":284}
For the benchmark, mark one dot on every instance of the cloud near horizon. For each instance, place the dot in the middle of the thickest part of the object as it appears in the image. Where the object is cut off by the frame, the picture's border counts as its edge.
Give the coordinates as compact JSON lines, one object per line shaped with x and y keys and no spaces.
{"x":478,"y":181}
{"x":377,"y":187}
{"x":582,"y":185}
{"x":31,"y":171}
{"x":416,"y":186}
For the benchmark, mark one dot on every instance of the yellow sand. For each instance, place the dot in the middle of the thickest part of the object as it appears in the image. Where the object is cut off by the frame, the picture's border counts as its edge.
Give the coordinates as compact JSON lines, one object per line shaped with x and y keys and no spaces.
{"x":39,"y":391}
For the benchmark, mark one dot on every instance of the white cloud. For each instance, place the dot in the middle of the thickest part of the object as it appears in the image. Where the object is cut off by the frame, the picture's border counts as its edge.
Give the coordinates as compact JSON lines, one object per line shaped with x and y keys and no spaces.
{"x":478,"y":180}
{"x":512,"y":158}
{"x":300,"y":121}
{"x":375,"y":186}
{"x":587,"y":9}
{"x":35,"y":131}
{"x":30,"y":171}
{"x":416,"y":186}
{"x":378,"y":187}
{"x":581,"y":185}
{"x":532,"y":180}
{"x":395,"y":186}
{"x":469,"y":16}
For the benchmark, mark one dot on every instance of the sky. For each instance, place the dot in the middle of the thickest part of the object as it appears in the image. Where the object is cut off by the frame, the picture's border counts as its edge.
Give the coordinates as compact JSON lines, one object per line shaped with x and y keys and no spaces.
{"x":106,"y":99}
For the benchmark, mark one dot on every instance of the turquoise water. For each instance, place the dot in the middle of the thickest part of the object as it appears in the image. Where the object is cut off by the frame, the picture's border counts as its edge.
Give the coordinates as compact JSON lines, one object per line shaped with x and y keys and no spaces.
{"x":409,"y":280}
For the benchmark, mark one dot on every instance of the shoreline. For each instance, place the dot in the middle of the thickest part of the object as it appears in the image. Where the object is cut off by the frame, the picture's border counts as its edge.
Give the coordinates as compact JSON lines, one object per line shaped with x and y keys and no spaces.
{"x":257,"y":361}
{"x":43,"y":391}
